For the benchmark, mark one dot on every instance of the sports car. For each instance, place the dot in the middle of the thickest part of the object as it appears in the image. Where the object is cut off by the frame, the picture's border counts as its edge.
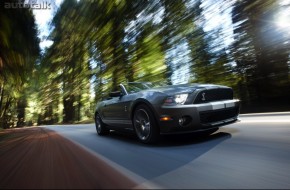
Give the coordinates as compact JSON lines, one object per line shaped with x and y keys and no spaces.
{"x":152,"y":111}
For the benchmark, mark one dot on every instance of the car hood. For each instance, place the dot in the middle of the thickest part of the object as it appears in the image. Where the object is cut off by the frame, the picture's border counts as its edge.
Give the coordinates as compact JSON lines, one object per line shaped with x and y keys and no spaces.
{"x":184,"y":88}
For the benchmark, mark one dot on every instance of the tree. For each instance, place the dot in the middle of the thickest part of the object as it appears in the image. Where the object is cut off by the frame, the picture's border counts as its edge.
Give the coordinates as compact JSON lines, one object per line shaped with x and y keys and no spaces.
{"x":259,"y":50}
{"x":67,"y":64}
{"x":18,"y":52}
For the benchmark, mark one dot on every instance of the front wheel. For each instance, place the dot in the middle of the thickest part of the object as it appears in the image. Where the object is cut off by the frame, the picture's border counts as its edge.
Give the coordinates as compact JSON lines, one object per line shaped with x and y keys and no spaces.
{"x":100,"y":126}
{"x":145,"y":125}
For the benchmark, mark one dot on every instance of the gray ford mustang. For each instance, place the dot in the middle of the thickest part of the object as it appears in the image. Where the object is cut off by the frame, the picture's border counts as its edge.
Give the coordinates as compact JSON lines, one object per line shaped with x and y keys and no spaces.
{"x":151,"y":111}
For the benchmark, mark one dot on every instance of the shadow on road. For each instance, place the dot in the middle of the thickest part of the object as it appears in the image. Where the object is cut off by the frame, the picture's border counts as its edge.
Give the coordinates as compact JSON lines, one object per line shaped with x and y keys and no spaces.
{"x":171,"y":153}
{"x":190,"y":139}
{"x":169,"y":140}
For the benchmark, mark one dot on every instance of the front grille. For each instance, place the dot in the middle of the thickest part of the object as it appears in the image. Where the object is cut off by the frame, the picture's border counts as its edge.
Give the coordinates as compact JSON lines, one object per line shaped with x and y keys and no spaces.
{"x":218,"y":115}
{"x":211,"y":95}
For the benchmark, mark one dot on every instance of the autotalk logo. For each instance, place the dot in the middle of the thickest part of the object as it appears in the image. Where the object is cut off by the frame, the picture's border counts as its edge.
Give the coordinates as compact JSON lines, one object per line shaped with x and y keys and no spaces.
{"x":32,"y":4}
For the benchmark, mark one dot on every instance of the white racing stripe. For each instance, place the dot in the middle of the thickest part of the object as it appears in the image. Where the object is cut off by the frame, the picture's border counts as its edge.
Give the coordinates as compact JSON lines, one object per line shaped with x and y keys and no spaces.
{"x":217,"y":105}
{"x":229,"y":104}
{"x":223,"y":104}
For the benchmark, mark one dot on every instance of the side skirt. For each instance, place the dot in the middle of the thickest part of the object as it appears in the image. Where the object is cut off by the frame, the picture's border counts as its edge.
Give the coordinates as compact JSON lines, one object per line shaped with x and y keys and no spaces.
{"x":123,"y":124}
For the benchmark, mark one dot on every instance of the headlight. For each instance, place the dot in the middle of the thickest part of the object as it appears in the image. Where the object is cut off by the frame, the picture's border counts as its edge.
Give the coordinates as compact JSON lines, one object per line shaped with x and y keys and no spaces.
{"x":180,"y":98}
{"x":176,"y":99}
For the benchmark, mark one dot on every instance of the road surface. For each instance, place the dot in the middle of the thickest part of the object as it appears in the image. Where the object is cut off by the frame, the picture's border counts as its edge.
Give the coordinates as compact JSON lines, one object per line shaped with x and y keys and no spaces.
{"x":253,"y":154}
{"x":38,"y":158}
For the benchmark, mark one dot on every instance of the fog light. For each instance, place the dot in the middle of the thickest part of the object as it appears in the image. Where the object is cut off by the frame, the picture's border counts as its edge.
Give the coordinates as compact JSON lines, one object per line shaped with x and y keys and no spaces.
{"x":181,"y":121}
{"x":184,"y":120}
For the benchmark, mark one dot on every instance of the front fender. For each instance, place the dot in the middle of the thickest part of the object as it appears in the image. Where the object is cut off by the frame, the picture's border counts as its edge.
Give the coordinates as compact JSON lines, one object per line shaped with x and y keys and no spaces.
{"x":152,"y":101}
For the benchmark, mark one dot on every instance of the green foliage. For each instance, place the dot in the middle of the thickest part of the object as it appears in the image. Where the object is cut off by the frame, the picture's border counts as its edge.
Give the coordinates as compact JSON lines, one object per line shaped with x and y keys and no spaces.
{"x":99,"y":44}
{"x":18,"y":52}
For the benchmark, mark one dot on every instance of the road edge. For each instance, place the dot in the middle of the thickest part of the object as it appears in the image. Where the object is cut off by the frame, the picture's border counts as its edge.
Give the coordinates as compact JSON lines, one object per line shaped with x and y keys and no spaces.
{"x":142,"y":182}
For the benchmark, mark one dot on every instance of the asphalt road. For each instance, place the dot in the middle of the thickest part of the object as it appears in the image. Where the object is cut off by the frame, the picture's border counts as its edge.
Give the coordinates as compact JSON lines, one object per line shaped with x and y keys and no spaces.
{"x":39,"y":158}
{"x":253,"y":153}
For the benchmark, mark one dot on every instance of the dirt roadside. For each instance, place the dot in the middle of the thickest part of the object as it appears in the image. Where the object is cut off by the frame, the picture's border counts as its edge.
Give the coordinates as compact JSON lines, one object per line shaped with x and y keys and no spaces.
{"x":38,"y":158}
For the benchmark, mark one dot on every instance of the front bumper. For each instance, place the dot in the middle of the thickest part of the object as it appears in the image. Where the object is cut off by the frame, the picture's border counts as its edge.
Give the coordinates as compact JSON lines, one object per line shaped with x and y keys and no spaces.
{"x":197,"y":117}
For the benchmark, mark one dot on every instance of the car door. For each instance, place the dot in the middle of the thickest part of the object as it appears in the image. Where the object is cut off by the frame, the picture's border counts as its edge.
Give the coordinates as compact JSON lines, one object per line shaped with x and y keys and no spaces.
{"x":117,"y":108}
{"x":112,"y":109}
{"x":108,"y":109}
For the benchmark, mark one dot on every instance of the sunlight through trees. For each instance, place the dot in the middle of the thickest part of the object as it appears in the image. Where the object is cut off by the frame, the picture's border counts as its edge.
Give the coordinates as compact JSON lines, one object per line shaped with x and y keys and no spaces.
{"x":99,"y":44}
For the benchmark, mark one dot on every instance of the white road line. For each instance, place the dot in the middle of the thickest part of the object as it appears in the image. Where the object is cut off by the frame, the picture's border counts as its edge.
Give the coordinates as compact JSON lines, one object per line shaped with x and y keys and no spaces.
{"x":266,"y":113}
{"x":264,"y":121}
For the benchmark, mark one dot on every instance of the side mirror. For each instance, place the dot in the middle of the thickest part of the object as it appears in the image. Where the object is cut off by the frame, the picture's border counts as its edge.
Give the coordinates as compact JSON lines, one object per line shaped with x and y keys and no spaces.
{"x":115,"y":94}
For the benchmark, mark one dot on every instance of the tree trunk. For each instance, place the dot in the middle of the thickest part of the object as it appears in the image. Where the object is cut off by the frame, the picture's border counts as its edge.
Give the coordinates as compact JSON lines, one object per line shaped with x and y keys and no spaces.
{"x":4,"y":119}
{"x":79,"y":107}
{"x":1,"y":97}
{"x":68,"y":110}
{"x":21,"y":104}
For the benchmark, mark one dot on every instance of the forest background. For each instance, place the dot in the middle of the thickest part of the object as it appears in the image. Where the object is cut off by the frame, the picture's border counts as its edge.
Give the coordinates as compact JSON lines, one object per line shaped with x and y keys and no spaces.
{"x":98,"y":44}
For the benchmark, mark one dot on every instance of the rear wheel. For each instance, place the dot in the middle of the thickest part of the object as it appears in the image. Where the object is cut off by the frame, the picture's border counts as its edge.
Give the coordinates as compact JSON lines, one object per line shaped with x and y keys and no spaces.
{"x":145,"y":125}
{"x":100,"y":126}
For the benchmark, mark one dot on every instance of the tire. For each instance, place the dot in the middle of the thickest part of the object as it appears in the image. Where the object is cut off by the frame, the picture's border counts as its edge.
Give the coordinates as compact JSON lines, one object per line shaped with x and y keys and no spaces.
{"x":101,"y":127}
{"x":145,"y":125}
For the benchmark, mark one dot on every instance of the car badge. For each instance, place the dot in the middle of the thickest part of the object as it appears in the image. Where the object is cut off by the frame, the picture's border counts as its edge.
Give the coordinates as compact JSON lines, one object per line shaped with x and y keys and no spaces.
{"x":203,"y":96}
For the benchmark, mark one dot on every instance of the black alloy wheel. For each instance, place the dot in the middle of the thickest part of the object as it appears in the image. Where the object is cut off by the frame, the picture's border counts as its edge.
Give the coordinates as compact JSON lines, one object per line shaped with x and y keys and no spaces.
{"x":145,"y":125}
{"x":100,"y":126}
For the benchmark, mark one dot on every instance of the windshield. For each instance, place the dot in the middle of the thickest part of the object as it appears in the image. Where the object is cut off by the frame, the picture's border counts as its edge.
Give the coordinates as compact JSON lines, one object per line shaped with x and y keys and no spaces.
{"x":133,"y":87}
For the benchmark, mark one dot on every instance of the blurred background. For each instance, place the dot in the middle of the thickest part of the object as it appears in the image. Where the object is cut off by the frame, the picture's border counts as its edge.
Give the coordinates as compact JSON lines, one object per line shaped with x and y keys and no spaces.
{"x":93,"y":45}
